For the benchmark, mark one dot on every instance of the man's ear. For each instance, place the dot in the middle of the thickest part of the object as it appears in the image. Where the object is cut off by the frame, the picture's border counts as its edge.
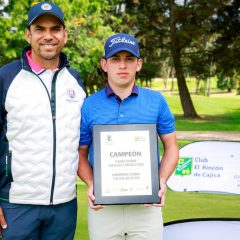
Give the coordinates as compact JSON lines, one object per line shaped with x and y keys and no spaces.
{"x":28,"y":35}
{"x":65,"y":36}
{"x":103,"y":64}
{"x":139,"y":64}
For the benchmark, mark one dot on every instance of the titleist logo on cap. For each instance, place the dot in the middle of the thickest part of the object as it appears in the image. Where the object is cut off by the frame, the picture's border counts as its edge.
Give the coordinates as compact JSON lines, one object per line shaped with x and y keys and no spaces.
{"x":119,"y":40}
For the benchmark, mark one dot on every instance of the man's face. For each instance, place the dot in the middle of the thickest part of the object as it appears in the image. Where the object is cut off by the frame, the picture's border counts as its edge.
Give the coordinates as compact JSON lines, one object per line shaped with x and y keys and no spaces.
{"x":47,"y":37}
{"x":121,"y":69}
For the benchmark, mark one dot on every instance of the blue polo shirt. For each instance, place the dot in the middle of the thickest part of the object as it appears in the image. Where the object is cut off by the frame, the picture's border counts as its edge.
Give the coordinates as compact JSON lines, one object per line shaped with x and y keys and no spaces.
{"x":143,"y":106}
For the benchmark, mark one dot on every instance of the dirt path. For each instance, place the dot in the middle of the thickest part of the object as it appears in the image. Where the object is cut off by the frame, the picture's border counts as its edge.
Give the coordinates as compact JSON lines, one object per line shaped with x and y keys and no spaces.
{"x":190,"y":135}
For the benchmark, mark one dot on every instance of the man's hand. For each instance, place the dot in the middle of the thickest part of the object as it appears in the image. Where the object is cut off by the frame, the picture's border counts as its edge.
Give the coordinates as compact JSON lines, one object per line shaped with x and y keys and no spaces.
{"x":161,"y":194}
{"x":2,"y":221}
{"x":91,"y":199}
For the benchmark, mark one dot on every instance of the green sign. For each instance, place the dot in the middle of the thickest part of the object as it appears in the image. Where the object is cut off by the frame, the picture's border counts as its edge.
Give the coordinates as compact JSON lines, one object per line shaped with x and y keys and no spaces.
{"x":184,"y":166}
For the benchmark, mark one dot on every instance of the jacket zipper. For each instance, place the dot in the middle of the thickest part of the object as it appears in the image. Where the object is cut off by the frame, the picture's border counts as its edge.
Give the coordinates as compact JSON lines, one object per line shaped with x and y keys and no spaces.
{"x":53,"y":109}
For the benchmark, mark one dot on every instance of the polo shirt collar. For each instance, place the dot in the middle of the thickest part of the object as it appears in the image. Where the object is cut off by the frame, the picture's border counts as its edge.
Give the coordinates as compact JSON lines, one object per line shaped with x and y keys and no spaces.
{"x":110,"y":92}
{"x":62,"y":63}
{"x":34,"y":66}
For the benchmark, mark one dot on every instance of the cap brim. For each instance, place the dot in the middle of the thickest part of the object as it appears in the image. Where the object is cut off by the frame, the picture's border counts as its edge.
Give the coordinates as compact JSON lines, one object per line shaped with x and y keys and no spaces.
{"x":34,"y":19}
{"x":120,"y":50}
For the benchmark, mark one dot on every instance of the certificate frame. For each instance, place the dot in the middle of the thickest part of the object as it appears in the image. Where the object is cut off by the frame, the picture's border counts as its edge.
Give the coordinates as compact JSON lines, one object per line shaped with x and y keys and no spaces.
{"x":153,"y":162}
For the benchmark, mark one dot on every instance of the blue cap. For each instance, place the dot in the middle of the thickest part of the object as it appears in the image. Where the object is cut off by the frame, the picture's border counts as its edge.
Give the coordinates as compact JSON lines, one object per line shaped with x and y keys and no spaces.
{"x":44,"y":8}
{"x":121,"y":42}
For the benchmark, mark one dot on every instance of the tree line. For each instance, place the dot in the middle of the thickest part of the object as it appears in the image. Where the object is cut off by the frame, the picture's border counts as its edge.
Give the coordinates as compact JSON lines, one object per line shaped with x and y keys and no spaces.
{"x":198,"y":38}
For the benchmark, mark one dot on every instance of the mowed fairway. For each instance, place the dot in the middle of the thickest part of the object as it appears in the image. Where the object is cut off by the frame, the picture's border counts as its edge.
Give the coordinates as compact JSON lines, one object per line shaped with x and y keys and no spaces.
{"x":219,"y":113}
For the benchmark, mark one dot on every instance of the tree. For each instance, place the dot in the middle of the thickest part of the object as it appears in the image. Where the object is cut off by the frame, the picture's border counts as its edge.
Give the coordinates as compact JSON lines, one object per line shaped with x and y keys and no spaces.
{"x":226,"y":26}
{"x":12,"y":31}
{"x":176,"y":48}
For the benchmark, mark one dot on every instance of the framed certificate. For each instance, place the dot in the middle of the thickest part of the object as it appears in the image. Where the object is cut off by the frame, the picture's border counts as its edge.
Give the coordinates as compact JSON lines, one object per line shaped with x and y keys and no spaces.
{"x":125,"y":164}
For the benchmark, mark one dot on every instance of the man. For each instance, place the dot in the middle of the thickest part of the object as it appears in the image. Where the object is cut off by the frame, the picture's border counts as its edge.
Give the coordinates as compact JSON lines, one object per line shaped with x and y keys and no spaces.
{"x":40,"y":102}
{"x":123,"y":102}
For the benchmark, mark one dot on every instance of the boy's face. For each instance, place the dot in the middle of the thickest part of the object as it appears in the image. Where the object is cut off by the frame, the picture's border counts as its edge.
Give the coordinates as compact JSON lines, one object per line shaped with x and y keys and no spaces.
{"x":121,"y":69}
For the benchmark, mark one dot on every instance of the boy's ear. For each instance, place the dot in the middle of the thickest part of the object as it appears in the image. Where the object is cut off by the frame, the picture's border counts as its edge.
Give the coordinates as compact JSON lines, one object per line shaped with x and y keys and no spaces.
{"x":139,"y":64}
{"x":103,"y":64}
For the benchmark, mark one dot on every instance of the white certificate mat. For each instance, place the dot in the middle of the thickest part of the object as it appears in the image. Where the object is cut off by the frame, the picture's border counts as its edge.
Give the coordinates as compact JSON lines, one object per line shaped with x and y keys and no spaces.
{"x":125,"y":164}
